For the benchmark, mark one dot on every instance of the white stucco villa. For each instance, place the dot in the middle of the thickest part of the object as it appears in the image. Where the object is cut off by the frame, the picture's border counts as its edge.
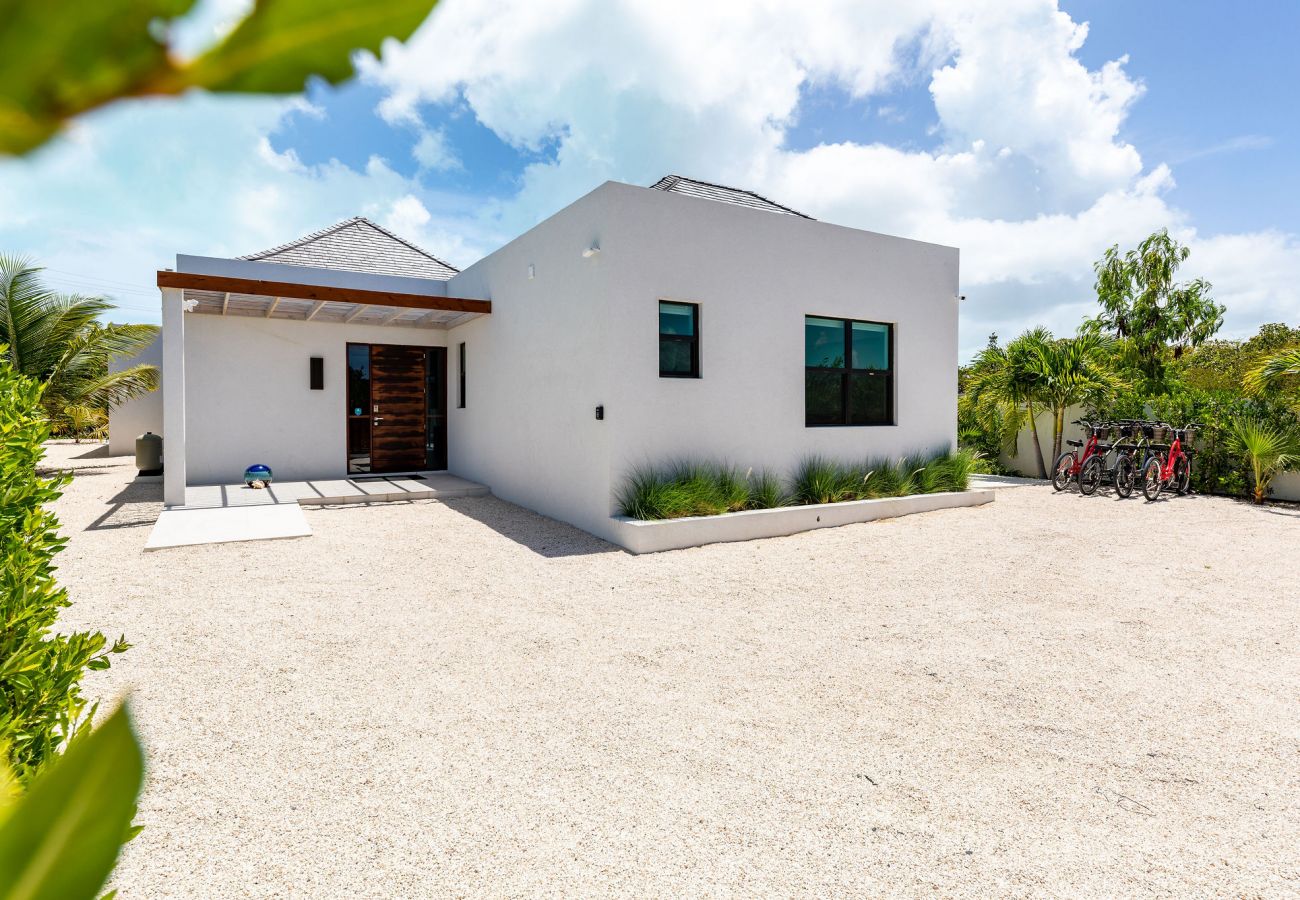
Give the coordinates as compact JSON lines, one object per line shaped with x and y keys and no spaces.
{"x":635,"y":326}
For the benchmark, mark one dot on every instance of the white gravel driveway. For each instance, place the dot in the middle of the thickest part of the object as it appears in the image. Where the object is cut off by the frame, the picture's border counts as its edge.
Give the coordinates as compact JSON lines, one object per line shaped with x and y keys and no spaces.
{"x":1050,"y":695}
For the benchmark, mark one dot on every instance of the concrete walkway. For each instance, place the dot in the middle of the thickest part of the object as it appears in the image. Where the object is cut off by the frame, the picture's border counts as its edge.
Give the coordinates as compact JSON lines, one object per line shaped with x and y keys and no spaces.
{"x":428,"y":486}
{"x":1003,"y":481}
{"x":225,"y":513}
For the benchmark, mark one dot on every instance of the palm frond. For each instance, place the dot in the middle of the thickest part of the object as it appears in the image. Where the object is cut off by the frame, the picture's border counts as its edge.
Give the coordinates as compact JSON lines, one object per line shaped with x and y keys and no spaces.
{"x":1273,"y":369}
{"x":57,"y":339}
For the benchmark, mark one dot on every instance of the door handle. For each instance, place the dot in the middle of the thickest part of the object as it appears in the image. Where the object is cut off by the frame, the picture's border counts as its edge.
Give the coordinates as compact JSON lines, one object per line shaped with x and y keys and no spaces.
{"x":379,"y":418}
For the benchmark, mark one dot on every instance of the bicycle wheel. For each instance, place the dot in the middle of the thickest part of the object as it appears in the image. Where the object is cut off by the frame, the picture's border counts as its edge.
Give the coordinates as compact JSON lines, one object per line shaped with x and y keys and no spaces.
{"x":1061,"y":471}
{"x":1182,"y":480}
{"x":1125,"y":475}
{"x":1090,"y":476}
{"x":1152,"y":483}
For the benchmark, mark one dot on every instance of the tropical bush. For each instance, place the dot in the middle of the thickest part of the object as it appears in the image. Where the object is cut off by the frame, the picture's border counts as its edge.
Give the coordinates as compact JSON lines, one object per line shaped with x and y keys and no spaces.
{"x":41,"y":704}
{"x":61,"y":837}
{"x":1267,"y":448}
{"x":1218,"y":463}
{"x":707,"y":489}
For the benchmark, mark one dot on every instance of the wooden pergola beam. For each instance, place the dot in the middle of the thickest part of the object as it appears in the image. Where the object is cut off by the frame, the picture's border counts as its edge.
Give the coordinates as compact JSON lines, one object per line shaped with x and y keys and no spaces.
{"x":257,"y":287}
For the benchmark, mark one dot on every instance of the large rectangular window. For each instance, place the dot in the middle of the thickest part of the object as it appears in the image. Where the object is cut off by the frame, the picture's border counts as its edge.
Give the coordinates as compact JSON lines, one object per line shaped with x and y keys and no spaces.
{"x":679,"y":340}
{"x":460,"y":383}
{"x":848,"y":372}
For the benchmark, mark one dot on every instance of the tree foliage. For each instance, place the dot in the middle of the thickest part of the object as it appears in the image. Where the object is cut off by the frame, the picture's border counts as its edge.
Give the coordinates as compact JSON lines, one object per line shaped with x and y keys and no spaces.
{"x":1154,"y":318}
{"x":40,"y":670}
{"x":60,"y":60}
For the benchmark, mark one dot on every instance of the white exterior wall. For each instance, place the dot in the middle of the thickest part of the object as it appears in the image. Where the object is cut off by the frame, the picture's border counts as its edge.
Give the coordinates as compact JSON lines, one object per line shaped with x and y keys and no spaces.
{"x":535,"y":370}
{"x":584,"y":331}
{"x":129,"y":420}
{"x":756,"y":275}
{"x":248,"y":398}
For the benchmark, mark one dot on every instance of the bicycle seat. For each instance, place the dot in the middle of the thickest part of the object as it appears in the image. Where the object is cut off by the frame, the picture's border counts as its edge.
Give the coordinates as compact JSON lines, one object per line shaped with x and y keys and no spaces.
{"x":1074,"y":443}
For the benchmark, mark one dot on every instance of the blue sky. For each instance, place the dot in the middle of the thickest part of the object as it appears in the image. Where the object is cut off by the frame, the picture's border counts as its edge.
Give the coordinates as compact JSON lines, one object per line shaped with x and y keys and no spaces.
{"x":1003,"y":127}
{"x":1219,"y":80}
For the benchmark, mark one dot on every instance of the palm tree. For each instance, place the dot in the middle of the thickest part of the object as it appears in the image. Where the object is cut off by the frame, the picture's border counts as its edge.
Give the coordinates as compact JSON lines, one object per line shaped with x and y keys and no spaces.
{"x":1072,"y":371}
{"x":1008,"y":379}
{"x":1273,"y":369}
{"x":58,"y":340}
{"x":1269,"y":449}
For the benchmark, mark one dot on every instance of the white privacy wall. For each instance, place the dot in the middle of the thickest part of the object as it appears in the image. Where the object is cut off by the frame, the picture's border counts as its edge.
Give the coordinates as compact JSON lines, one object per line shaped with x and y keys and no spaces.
{"x":584,"y":331}
{"x":129,"y":420}
{"x":248,"y":398}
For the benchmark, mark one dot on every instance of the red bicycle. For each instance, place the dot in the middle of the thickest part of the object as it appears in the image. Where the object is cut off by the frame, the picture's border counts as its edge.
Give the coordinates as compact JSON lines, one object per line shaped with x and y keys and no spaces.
{"x":1173,"y":467}
{"x":1086,"y":467}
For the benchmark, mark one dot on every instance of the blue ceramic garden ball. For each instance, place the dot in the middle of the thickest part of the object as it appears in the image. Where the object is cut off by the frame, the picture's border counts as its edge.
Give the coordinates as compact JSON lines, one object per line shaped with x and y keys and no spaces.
{"x":257,"y":475}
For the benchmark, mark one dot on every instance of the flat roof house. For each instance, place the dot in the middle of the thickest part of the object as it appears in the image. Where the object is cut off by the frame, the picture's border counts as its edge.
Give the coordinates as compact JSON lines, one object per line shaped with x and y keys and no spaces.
{"x":635,"y":326}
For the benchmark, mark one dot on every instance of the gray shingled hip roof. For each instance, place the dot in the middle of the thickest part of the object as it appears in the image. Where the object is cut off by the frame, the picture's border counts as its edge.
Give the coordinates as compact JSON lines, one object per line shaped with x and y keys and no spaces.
{"x":358,"y":245}
{"x":689,"y":187}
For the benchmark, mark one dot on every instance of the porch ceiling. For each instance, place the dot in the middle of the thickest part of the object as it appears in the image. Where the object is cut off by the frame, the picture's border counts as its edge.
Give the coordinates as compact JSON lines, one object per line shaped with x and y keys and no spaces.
{"x":219,"y":296}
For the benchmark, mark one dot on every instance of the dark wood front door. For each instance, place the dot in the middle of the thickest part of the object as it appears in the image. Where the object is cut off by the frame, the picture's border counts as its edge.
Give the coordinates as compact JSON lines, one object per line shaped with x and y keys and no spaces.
{"x":396,"y":408}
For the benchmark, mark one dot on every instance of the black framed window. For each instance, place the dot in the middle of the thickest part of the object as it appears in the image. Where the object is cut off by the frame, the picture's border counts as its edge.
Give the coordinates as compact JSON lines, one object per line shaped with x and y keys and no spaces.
{"x":679,"y":340}
{"x":848,"y":372}
{"x":460,"y":382}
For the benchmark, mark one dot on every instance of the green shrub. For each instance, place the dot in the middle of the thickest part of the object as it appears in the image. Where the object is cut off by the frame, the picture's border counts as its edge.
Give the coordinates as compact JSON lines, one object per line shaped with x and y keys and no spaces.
{"x":819,"y":480}
{"x":40,"y":671}
{"x":706,"y":489}
{"x":688,"y":488}
{"x":768,"y":492}
{"x":884,"y":478}
{"x":953,"y":470}
{"x":1218,"y":465}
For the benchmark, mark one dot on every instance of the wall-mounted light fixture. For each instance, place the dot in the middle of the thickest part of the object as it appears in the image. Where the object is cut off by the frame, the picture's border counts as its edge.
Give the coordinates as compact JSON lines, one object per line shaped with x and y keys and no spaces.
{"x":591,"y":251}
{"x":317,"y":373}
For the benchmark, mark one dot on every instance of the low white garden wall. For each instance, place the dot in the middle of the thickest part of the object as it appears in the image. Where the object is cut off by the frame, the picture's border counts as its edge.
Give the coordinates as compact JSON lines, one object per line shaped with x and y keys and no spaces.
{"x":640,"y":536}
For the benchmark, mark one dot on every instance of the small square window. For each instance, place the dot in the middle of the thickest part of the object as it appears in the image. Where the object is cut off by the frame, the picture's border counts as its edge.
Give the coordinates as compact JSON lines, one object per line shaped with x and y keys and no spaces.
{"x":679,"y":340}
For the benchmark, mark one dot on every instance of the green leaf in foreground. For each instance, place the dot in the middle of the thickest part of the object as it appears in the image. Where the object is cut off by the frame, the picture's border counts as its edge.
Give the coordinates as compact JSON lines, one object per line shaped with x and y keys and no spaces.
{"x":59,"y":60}
{"x":283,"y":42}
{"x":61,"y":839}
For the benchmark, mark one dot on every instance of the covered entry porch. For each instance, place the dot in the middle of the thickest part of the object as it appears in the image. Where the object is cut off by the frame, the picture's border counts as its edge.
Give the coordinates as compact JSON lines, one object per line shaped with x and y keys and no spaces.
{"x":294,"y":366}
